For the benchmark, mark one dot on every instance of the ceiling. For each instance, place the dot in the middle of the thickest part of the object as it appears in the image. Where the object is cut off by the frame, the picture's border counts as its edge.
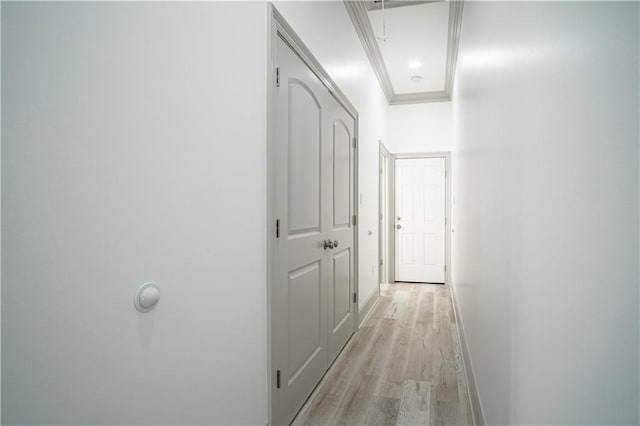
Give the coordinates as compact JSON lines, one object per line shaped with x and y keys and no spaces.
{"x":414,"y":56}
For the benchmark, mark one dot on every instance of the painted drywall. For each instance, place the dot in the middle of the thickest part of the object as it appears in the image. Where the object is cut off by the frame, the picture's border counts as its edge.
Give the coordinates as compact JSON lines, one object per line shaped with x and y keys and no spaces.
{"x":133,"y":150}
{"x":426,"y":127}
{"x":545,"y":248}
{"x":326,"y":29}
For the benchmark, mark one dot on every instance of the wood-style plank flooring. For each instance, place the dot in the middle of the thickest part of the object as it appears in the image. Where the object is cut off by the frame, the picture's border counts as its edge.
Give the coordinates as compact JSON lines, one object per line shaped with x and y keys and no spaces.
{"x":403,"y":367}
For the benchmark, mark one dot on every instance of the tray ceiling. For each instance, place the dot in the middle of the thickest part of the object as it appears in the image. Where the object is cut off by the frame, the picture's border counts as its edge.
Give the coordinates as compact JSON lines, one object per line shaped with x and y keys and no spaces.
{"x":414,"y":55}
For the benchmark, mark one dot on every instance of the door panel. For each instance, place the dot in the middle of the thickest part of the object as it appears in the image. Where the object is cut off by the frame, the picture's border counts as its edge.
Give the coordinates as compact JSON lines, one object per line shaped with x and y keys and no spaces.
{"x":304,"y":158}
{"x":341,"y":174}
{"x":430,"y":203}
{"x":341,"y":296}
{"x":420,"y":226}
{"x":304,"y":317}
{"x":430,"y":250}
{"x":312,"y":313}
{"x":407,"y":194}
{"x":407,"y":251}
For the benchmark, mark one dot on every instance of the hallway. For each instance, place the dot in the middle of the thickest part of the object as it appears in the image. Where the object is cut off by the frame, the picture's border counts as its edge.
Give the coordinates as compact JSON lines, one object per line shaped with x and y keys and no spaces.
{"x":191,"y":225}
{"x":402,"y":367}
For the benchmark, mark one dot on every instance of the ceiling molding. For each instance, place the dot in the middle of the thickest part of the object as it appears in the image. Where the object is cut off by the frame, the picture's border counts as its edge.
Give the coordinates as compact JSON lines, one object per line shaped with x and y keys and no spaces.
{"x":390,"y":4}
{"x":416,"y":98}
{"x":357,"y":10}
{"x":453,"y":41}
{"x":358,"y":13}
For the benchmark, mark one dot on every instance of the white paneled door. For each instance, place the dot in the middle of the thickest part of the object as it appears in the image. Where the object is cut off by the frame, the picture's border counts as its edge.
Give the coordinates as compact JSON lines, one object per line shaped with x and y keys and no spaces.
{"x":312,"y":296}
{"x":420,"y":220}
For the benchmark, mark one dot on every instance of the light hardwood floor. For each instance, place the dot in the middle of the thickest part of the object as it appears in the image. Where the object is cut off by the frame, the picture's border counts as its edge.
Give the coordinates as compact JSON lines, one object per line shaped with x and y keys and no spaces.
{"x":403,"y":367}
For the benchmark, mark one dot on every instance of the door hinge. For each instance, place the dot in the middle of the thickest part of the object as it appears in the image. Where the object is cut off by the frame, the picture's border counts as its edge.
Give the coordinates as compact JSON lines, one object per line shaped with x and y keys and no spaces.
{"x":445,"y":220}
{"x":354,"y":220}
{"x":278,"y":77}
{"x":445,"y":268}
{"x":355,"y":142}
{"x":278,"y":228}
{"x":355,"y":297}
{"x":277,"y":379}
{"x":380,"y":262}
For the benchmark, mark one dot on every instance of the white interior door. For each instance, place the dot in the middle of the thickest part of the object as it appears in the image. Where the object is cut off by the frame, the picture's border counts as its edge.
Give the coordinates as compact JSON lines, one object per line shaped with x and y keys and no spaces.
{"x":420,"y":220}
{"x":312,"y":306}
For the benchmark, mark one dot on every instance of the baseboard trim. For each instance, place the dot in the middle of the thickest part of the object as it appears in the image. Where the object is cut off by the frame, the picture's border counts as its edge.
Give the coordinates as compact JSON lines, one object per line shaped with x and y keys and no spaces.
{"x":367,"y":308}
{"x":476,"y":406}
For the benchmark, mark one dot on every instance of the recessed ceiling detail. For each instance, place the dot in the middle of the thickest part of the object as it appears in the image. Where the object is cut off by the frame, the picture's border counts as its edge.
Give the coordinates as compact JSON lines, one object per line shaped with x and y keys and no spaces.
{"x":412,"y":46}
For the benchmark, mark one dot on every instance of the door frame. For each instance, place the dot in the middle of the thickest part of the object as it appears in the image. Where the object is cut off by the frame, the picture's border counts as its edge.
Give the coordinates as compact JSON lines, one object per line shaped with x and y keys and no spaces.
{"x":277,"y":26}
{"x":447,"y":211}
{"x":384,"y":181}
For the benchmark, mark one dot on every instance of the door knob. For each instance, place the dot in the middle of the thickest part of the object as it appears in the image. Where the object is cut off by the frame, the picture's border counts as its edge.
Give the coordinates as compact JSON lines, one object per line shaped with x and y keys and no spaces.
{"x":398,"y":226}
{"x":327,"y":244}
{"x":335,"y":244}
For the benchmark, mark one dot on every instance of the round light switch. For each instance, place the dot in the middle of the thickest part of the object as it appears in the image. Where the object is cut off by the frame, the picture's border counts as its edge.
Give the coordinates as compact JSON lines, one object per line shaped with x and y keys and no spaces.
{"x":147,"y":297}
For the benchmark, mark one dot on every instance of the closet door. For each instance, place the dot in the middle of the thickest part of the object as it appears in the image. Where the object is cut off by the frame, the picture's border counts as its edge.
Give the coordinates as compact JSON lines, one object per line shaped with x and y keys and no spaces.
{"x":312,"y":304}
{"x":340,"y":126}
{"x":299,"y":297}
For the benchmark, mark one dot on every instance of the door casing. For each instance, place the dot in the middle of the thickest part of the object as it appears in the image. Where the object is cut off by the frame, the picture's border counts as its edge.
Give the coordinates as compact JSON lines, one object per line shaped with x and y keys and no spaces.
{"x":384,"y":231}
{"x":392,"y":210}
{"x":278,"y":27}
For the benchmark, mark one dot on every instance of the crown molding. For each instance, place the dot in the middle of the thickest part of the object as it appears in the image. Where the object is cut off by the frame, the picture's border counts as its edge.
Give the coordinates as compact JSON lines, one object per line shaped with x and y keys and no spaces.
{"x":357,"y":10}
{"x":453,"y":42}
{"x":391,"y":4}
{"x":416,"y":98}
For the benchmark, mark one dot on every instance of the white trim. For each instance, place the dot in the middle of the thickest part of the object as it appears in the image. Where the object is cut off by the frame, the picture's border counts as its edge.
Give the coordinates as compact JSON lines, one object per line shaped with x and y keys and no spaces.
{"x":391,"y":243}
{"x":397,"y":3}
{"x":271,"y":227}
{"x":383,"y":228}
{"x":476,"y":407}
{"x":278,"y":27}
{"x":453,"y":42}
{"x":357,"y":11}
{"x":416,"y":98}
{"x":367,"y":308}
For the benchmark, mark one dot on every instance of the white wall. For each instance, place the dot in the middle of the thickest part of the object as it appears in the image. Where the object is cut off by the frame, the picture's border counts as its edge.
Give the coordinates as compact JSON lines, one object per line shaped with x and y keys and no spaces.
{"x":545,"y":257}
{"x":326,"y":29}
{"x":122,"y":128}
{"x":426,"y":127}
